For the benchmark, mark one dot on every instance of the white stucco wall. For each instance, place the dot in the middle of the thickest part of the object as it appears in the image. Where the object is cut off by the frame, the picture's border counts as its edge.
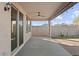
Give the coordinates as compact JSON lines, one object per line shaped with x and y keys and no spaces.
{"x":5,"y":30}
{"x":55,"y":30}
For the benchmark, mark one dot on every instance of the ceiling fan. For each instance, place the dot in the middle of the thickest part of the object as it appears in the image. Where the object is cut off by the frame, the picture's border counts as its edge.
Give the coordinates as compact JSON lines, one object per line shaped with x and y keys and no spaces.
{"x":39,"y":14}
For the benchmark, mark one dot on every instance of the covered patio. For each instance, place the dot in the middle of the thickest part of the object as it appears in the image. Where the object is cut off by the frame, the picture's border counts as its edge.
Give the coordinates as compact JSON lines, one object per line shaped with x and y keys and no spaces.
{"x":16,"y":29}
{"x":43,"y":46}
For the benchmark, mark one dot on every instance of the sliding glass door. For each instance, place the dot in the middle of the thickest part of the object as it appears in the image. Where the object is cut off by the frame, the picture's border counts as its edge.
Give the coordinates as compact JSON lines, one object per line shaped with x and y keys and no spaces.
{"x":16,"y":28}
{"x":20,"y":28}
{"x":13,"y":28}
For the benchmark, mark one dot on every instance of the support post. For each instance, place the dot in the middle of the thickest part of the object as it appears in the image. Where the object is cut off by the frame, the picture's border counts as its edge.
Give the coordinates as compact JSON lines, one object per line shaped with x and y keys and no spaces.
{"x":17,"y":29}
{"x":49,"y":24}
{"x":31,"y":25}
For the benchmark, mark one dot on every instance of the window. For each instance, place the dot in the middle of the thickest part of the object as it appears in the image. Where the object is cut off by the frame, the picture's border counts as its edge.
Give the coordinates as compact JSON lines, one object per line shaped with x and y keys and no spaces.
{"x":28,"y":24}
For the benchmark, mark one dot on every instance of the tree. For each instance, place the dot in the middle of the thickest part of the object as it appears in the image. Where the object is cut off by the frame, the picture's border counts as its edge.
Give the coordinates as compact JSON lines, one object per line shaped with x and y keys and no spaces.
{"x":76,"y":20}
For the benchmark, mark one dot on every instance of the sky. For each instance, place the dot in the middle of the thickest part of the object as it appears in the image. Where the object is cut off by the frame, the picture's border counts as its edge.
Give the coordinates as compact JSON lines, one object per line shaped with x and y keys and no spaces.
{"x":67,"y":17}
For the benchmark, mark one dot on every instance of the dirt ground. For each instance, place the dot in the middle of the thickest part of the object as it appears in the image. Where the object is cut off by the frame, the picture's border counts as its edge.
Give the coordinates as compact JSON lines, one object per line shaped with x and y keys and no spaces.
{"x":71,"y":45}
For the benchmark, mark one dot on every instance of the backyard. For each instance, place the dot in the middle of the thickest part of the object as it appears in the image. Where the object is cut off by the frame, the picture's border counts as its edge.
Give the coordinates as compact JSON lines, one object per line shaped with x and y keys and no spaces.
{"x":71,"y":45}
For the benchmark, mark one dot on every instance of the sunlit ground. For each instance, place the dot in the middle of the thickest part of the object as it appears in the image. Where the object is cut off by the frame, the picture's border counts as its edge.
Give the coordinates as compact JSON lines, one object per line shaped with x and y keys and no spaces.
{"x":70,"y":42}
{"x":71,"y":45}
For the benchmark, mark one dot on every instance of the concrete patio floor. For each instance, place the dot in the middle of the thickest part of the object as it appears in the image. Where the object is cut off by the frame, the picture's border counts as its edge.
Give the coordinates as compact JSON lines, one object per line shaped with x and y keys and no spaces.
{"x":42,"y":46}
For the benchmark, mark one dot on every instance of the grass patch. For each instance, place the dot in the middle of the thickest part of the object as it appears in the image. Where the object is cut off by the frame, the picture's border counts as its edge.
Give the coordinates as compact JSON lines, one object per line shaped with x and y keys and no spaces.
{"x":65,"y":37}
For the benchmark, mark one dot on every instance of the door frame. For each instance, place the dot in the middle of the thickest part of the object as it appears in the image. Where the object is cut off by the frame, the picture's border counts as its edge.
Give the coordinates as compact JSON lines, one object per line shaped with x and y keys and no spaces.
{"x":17,"y":29}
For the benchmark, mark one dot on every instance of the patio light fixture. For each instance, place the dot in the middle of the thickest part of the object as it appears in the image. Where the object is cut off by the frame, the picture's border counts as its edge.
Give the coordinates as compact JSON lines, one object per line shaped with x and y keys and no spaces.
{"x":7,"y":7}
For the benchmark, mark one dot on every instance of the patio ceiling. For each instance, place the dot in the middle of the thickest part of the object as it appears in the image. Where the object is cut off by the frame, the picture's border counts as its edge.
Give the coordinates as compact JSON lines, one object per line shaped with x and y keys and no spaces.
{"x":47,"y":10}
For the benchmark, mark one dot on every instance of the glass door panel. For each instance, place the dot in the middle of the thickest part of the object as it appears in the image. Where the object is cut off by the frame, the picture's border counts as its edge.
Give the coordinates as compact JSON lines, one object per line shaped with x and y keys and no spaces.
{"x":13,"y":28}
{"x":20,"y":28}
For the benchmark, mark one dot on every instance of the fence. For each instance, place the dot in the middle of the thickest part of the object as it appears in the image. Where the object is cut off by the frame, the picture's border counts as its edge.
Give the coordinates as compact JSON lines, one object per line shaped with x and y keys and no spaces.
{"x":70,"y":30}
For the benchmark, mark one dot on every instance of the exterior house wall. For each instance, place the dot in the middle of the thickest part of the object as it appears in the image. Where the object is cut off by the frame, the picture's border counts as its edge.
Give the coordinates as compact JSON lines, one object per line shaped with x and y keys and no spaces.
{"x":55,"y":30}
{"x":5,"y":30}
